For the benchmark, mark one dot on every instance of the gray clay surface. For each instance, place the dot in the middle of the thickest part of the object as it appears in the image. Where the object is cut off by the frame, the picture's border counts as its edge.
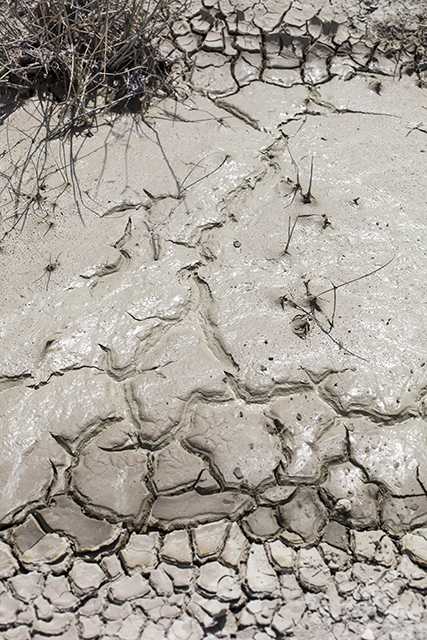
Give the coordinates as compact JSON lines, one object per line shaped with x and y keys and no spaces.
{"x":202,"y":433}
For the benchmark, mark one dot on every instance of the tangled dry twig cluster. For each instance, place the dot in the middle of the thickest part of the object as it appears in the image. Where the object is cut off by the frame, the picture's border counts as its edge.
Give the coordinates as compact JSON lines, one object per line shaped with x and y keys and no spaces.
{"x":88,"y":55}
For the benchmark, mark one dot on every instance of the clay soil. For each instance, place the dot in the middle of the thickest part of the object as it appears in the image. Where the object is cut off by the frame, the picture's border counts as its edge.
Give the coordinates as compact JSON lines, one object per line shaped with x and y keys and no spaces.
{"x":213,"y":363}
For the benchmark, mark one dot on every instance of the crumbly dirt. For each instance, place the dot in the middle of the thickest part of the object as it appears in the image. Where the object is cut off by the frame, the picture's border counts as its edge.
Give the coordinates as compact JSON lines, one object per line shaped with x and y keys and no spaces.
{"x":212,"y":371}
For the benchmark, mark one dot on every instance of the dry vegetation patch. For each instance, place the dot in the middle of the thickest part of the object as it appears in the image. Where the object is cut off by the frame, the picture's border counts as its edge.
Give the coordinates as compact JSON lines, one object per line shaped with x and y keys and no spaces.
{"x":88,"y":55}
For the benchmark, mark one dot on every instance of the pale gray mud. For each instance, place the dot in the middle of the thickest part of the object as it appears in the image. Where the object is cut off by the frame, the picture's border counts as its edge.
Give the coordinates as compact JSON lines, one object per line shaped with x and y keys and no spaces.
{"x":203,"y":434}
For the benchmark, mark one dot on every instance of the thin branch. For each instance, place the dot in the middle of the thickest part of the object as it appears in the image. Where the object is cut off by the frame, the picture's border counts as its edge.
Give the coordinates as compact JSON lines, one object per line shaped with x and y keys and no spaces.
{"x":181,"y":188}
{"x":366,"y":275}
{"x":325,"y":331}
{"x":314,"y":306}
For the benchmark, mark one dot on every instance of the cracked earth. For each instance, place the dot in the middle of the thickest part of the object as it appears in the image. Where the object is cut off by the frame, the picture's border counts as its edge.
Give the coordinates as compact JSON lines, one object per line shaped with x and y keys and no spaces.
{"x":213,"y":409}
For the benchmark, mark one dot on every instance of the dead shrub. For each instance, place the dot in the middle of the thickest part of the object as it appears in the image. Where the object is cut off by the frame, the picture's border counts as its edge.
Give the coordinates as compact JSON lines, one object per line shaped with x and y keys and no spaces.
{"x":88,"y":55}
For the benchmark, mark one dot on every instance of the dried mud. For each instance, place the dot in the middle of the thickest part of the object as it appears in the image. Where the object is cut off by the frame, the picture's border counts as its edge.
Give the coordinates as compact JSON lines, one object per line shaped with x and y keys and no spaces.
{"x":213,"y":348}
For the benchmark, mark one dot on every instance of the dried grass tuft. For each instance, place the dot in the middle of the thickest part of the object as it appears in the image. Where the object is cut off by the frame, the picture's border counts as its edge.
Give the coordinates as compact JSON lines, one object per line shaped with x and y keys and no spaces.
{"x":88,"y":55}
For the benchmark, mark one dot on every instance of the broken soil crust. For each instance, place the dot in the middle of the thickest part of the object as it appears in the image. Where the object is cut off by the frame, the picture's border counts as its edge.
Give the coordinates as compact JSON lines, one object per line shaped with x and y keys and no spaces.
{"x":190,"y":389}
